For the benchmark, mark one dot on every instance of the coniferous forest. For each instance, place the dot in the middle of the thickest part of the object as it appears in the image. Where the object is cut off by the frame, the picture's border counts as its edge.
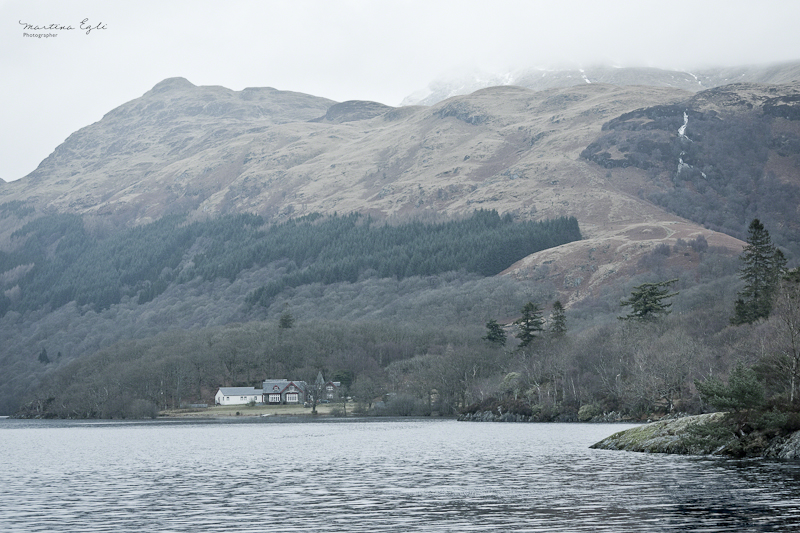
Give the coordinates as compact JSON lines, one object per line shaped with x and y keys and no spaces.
{"x":63,"y":262}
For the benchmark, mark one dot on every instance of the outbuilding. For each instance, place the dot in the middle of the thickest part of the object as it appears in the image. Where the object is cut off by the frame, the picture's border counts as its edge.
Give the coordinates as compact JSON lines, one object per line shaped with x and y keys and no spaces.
{"x":238,"y":395}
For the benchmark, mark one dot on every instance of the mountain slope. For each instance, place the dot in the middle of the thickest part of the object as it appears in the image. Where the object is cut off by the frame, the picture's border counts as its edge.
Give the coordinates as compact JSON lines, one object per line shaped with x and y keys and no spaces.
{"x":207,"y":150}
{"x":604,"y":154}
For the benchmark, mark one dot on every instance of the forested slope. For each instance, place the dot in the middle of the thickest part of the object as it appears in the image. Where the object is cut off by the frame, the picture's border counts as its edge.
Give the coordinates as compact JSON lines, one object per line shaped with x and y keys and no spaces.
{"x":57,"y":261}
{"x":58,"y":270}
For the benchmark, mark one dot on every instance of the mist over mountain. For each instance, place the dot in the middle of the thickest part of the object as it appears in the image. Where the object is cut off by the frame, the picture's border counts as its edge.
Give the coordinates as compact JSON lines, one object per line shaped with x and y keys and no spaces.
{"x":539,"y":79}
{"x":195,"y":207}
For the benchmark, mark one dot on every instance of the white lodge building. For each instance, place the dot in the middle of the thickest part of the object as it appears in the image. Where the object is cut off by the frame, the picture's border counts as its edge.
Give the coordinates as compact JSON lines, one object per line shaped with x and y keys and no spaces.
{"x":273,"y":392}
{"x":238,"y":395}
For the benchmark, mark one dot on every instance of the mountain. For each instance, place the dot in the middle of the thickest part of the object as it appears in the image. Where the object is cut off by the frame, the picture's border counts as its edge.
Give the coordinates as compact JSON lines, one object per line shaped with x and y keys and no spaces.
{"x":208,"y":151}
{"x":540,"y":79}
{"x":176,"y":191}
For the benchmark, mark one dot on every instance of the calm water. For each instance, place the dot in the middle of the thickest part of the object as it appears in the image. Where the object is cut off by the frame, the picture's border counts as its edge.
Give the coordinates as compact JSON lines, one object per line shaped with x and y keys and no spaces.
{"x":418,"y":475}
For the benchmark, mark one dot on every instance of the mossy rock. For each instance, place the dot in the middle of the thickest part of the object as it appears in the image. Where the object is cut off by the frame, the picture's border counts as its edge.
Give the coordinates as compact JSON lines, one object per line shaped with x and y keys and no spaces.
{"x":665,"y":436}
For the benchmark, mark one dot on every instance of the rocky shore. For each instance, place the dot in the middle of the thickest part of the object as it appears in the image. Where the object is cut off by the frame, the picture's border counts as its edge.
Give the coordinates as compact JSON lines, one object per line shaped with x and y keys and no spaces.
{"x":506,"y":410}
{"x":707,"y":434}
{"x":493,"y":416}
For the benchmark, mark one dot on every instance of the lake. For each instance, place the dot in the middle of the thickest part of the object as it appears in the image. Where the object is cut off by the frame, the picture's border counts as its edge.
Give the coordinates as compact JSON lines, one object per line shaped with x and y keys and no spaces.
{"x":275,"y":475}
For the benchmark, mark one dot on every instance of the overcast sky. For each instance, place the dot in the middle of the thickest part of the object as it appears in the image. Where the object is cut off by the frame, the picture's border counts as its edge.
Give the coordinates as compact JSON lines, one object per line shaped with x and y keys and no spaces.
{"x":380,"y":50}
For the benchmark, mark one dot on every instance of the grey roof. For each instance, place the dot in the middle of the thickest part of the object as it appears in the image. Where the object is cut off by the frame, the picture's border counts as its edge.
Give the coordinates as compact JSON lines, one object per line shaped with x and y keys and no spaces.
{"x":240,"y":391}
{"x":282,"y":384}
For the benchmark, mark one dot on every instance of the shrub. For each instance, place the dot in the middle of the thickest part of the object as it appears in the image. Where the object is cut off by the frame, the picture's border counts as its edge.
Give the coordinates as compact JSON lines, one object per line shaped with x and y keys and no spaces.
{"x":589,"y":411}
{"x":403,"y":405}
{"x":143,"y":409}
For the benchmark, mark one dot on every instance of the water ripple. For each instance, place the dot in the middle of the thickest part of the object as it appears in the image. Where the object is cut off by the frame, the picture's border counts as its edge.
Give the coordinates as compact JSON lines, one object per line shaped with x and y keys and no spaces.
{"x":377,"y":476}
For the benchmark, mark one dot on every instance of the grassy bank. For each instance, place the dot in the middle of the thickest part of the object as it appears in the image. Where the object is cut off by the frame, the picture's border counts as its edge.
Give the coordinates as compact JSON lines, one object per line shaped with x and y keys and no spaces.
{"x":245,"y":410}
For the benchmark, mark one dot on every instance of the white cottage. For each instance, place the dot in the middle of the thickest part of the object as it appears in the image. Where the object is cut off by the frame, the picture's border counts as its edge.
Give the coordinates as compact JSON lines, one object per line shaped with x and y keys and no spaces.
{"x":238,"y":395}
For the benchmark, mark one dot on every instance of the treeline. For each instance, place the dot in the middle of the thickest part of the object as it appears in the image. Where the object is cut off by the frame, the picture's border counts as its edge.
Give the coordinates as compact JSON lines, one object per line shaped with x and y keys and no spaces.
{"x":133,"y":378}
{"x":58,"y":261}
{"x":547,"y":365}
{"x":448,"y":301}
{"x":633,"y":368}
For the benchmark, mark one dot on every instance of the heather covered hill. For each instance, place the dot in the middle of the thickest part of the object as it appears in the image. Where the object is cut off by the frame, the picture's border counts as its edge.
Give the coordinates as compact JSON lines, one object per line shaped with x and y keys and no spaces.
{"x":210,"y":150}
{"x":206,"y":151}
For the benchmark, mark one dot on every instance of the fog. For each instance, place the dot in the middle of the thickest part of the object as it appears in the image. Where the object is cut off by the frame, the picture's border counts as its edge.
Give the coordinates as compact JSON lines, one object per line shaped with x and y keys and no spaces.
{"x":101,"y":54}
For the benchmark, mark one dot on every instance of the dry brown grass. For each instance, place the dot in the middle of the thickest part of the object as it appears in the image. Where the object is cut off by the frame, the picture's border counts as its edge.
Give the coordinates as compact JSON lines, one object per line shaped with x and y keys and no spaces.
{"x":244,"y":410}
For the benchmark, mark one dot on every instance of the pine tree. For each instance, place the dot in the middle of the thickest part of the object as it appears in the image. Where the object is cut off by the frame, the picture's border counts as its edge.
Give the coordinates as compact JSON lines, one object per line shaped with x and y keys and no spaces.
{"x":743,"y":390}
{"x":558,"y":320}
{"x":647,"y":301}
{"x":762,"y":268}
{"x":495,"y":333}
{"x":530,"y":324}
{"x":286,"y":321}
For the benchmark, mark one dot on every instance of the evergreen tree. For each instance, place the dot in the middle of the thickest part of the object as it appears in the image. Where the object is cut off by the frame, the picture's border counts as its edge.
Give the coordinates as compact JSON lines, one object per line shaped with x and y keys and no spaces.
{"x":286,"y":321}
{"x":530,"y":324}
{"x":742,"y":392}
{"x":762,"y":268}
{"x":43,"y":357}
{"x":558,"y":320}
{"x":495,"y":333}
{"x":647,"y":301}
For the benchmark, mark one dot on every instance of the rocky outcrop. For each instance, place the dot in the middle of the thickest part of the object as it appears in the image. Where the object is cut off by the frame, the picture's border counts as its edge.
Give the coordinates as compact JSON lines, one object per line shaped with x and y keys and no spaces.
{"x":489,"y":416}
{"x":784,"y":447}
{"x":707,"y":434}
{"x":352,"y":111}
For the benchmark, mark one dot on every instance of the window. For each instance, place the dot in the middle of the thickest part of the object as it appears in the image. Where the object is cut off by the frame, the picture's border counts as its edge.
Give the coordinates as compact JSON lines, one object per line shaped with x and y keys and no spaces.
{"x":330,"y":387}
{"x":274,"y":398}
{"x":292,"y":397}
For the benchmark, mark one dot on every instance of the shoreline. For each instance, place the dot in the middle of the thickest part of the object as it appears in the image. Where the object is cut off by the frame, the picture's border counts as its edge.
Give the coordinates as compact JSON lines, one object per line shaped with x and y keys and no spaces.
{"x":705,"y":434}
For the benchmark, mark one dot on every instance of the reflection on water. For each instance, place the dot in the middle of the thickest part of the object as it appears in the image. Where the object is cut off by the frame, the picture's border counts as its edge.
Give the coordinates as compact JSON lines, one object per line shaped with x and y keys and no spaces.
{"x":417,"y":475}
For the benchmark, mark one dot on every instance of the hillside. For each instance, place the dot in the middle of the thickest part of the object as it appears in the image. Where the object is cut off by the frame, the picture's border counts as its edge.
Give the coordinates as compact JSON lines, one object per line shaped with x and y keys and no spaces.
{"x":209,"y":151}
{"x":655,"y":180}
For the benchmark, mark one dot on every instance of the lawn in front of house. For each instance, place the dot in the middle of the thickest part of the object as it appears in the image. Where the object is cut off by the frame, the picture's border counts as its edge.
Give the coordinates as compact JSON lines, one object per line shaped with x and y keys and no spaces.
{"x":245,"y":410}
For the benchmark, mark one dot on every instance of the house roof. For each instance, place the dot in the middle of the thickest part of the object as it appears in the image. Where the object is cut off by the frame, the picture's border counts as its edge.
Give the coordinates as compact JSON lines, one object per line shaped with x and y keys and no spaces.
{"x":240,"y":391}
{"x":281,"y":384}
